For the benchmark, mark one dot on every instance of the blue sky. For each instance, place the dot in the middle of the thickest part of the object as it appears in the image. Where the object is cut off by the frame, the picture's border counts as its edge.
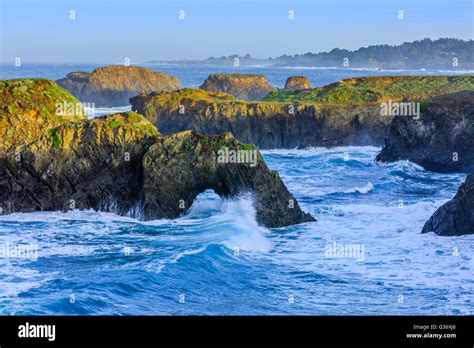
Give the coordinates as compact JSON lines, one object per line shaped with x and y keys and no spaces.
{"x":107,"y":31}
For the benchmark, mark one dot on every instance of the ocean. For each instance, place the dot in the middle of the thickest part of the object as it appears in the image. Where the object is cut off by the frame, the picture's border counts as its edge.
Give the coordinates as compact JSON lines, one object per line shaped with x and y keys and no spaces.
{"x":364,"y":256}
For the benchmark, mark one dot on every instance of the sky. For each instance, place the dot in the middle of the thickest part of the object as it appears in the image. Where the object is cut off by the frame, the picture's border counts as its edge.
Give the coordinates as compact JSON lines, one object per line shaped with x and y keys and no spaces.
{"x":108,"y":31}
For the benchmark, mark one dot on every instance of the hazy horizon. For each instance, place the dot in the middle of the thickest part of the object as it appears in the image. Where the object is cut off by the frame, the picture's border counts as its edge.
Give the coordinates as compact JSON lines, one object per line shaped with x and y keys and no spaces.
{"x":107,"y":32}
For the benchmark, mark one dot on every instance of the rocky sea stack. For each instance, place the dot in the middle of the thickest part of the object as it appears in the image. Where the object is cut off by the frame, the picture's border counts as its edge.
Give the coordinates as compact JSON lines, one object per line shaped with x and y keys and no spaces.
{"x":344,"y":113}
{"x":296,"y":83}
{"x":455,"y":217}
{"x":441,"y":140}
{"x":242,"y":86}
{"x":114,"y":85}
{"x":121,"y":163}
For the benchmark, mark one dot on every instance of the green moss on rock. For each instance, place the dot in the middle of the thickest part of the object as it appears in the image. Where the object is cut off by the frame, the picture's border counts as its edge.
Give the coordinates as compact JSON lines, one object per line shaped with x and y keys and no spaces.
{"x":30,"y":107}
{"x":376,"y":89}
{"x":55,"y":137}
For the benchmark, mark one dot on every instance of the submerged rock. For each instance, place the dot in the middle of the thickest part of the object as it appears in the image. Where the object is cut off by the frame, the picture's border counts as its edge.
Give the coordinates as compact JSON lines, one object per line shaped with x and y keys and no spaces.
{"x":296,"y":83}
{"x":113,"y":85}
{"x":456,"y":217}
{"x":242,"y":86}
{"x":120,"y":163}
{"x":441,"y":140}
{"x":345,"y":113}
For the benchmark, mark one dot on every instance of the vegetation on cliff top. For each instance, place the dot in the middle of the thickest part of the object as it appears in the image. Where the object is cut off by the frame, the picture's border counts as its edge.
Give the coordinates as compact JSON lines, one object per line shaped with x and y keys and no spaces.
{"x":377,"y":89}
{"x":42,"y":95}
{"x":128,"y":121}
{"x":29,"y":107}
{"x":355,"y":91}
{"x":204,"y":103}
{"x":116,"y":128}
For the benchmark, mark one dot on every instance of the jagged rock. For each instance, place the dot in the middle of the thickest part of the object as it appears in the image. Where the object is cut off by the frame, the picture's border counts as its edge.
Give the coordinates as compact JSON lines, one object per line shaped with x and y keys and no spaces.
{"x":442,"y":140}
{"x":114,"y":85}
{"x":296,"y":83}
{"x":242,"y":86}
{"x":456,"y":217}
{"x":121,"y":163}
{"x":345,"y":113}
{"x":185,"y":164}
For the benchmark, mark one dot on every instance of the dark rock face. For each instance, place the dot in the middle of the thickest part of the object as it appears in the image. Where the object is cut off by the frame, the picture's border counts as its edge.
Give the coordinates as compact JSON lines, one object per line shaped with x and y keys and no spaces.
{"x":455,"y":217}
{"x":112,"y":164}
{"x":266,"y":124}
{"x":349,"y":112}
{"x":296,"y":83}
{"x":120,"y":163}
{"x":92,"y":164}
{"x":242,"y":86}
{"x":114,"y":85}
{"x":442,"y":140}
{"x":183,"y":165}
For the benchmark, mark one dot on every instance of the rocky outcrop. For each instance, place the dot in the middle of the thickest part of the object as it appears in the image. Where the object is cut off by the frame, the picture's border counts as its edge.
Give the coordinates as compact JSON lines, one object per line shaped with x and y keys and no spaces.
{"x":30,"y":107}
{"x":185,"y":164}
{"x":441,"y":140}
{"x":296,"y":83}
{"x":242,"y":86}
{"x":347,"y":113}
{"x":114,"y":85}
{"x":120,"y":163}
{"x":456,"y":217}
{"x":92,"y":164}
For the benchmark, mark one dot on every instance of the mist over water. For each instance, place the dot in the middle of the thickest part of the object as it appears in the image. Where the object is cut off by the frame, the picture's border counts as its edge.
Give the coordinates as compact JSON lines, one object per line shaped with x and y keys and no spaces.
{"x":217,"y":260}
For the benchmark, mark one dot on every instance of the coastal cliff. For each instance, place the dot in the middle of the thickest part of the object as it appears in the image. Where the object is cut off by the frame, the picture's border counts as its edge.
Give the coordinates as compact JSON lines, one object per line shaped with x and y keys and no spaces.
{"x":121,"y":163}
{"x":441,"y":140}
{"x":344,"y":113}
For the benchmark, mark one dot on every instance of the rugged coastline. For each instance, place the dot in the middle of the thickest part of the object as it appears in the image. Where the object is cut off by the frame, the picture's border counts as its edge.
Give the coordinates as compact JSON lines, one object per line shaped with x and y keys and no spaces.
{"x":122,"y":163}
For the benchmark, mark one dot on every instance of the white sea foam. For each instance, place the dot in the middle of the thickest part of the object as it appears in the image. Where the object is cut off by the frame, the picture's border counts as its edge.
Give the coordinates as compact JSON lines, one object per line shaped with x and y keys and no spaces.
{"x":363,"y":189}
{"x":101,"y":111}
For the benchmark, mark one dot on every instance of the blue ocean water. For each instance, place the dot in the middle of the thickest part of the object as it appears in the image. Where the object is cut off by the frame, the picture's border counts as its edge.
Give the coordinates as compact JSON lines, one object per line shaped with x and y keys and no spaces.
{"x":217,"y":260}
{"x":194,"y":76}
